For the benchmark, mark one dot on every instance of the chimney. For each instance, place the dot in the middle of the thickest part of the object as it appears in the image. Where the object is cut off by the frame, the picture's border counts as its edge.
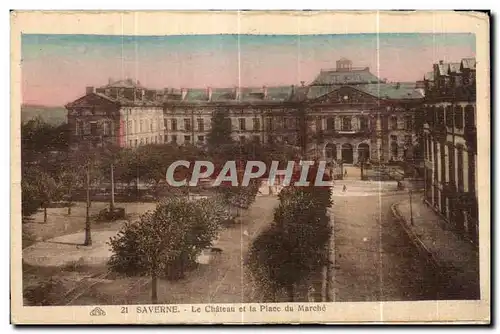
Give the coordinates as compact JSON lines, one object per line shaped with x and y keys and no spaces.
{"x":440,"y":62}
{"x":209,"y":93}
{"x":264,"y":91}
{"x":183,"y":93}
{"x":236,"y":93}
{"x":89,"y":90}
{"x":292,"y":93}
{"x":302,"y":83}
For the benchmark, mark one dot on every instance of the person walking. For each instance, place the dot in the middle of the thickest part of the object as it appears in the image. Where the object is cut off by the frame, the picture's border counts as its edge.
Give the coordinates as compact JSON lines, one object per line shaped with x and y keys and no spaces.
{"x":344,"y":189}
{"x":345,"y":173}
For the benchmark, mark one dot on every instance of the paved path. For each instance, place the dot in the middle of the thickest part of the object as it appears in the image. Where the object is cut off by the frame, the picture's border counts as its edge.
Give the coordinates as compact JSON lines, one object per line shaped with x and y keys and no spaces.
{"x":456,"y":258}
{"x":374,"y":259}
{"x":355,"y":188}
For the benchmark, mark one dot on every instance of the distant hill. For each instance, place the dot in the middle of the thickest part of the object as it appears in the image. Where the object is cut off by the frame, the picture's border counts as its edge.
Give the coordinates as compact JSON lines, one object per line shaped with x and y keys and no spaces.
{"x":51,"y":115}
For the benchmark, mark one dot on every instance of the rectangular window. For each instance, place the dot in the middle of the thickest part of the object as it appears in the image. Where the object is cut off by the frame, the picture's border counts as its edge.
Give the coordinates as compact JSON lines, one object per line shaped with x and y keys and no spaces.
{"x":93,"y":128}
{"x":394,"y":122}
{"x":105,"y":128}
{"x":228,"y":123}
{"x":469,"y":117}
{"x":242,"y":139}
{"x":363,"y":123}
{"x":242,"y":124}
{"x":409,"y":122}
{"x":187,"y":139}
{"x":330,"y":123}
{"x":135,"y":143}
{"x":442,"y":163}
{"x":459,"y":118}
{"x":147,"y":141}
{"x":201,"y":125}
{"x":394,"y":138}
{"x":256,"y":123}
{"x":269,"y":124}
{"x":201,"y":139}
{"x":78,"y":128}
{"x":256,"y":139}
{"x":174,"y":138}
{"x":472,"y":173}
{"x":435,"y":162}
{"x":174,"y":124}
{"x":460,"y":169}
{"x":187,"y":124}
{"x":319,"y":124}
{"x":449,"y":117}
{"x":346,"y":124}
{"x":451,"y":164}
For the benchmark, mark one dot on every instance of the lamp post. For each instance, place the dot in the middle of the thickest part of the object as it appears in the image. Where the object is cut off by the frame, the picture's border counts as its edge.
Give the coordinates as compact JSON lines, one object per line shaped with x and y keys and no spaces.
{"x":88,"y":237}
{"x":411,"y":207}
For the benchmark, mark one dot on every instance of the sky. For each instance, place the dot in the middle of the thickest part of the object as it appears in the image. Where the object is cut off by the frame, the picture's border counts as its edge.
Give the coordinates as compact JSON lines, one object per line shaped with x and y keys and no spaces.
{"x":56,"y":69}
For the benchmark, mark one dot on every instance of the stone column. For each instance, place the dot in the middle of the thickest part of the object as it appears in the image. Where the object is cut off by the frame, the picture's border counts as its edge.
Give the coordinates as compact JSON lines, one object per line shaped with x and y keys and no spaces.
{"x":339,"y":151}
{"x":354,"y":153}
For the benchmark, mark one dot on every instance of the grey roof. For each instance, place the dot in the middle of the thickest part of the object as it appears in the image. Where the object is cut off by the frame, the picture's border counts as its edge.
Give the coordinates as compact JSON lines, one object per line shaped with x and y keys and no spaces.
{"x":454,"y":68}
{"x":469,"y":63}
{"x":354,"y":76}
{"x":393,"y":91}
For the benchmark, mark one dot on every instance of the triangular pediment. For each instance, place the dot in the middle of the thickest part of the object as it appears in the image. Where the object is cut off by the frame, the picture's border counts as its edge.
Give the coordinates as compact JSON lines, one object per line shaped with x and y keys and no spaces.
{"x":345,"y":95}
{"x":92,"y":100}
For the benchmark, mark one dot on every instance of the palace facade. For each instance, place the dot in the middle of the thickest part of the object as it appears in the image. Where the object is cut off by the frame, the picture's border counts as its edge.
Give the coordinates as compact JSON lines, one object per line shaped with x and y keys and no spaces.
{"x":345,"y":114}
{"x":450,"y":151}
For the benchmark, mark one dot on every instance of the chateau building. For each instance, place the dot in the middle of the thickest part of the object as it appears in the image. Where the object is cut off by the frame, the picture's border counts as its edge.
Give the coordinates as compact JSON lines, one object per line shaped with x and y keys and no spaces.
{"x":345,"y":114}
{"x":450,"y":139}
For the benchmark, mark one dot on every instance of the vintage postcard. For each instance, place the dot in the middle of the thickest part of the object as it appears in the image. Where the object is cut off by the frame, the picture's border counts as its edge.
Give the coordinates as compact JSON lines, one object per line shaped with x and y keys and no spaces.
{"x":250,"y":167}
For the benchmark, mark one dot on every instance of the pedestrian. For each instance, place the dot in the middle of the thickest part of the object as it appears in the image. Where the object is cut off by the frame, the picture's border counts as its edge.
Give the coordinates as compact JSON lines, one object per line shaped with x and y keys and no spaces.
{"x":345,"y":173}
{"x":344,"y":189}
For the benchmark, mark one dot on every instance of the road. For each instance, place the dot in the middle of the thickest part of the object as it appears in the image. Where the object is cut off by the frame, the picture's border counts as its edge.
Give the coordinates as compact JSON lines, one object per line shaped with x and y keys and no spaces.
{"x":374,"y":260}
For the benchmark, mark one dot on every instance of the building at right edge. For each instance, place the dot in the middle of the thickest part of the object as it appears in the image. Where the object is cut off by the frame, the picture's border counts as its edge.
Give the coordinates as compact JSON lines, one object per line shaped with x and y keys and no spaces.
{"x":450,"y":145}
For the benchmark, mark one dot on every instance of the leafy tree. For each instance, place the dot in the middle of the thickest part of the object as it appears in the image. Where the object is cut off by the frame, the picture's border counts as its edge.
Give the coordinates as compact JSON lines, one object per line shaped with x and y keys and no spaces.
{"x":70,"y":179}
{"x":219,"y":138}
{"x":39,"y":187}
{"x":38,"y":138}
{"x":293,"y":246}
{"x":30,"y":201}
{"x":166,"y":241}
